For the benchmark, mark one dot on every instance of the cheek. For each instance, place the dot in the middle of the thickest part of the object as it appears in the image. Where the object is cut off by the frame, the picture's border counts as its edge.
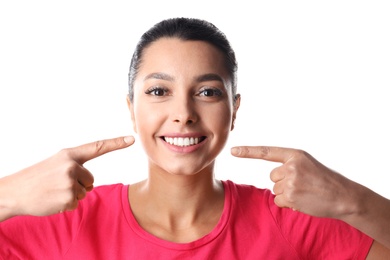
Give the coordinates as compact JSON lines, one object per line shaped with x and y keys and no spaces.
{"x":145,"y":119}
{"x":220,"y":118}
{"x":147,"y":125}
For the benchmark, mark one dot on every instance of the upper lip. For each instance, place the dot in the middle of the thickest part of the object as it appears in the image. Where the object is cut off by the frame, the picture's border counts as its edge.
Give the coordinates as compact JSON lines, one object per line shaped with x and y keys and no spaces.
{"x":183,"y":135}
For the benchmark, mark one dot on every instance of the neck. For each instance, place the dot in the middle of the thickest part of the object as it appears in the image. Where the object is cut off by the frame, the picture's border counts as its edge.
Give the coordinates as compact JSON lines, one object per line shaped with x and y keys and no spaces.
{"x":177,"y":203}
{"x":178,"y":193}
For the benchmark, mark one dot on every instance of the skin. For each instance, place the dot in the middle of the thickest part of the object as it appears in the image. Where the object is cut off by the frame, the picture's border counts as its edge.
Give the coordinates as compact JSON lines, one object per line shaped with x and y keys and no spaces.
{"x":55,"y":184}
{"x":302,"y":183}
{"x":173,"y":202}
{"x":181,"y":201}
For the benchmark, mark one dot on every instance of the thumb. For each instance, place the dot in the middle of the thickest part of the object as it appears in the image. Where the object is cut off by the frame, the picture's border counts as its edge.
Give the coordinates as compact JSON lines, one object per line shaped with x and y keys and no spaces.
{"x":86,"y":152}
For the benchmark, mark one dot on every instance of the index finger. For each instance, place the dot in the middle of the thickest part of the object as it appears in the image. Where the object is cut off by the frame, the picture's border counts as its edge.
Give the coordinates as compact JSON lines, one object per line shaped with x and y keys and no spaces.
{"x":269,"y":153}
{"x":86,"y":152}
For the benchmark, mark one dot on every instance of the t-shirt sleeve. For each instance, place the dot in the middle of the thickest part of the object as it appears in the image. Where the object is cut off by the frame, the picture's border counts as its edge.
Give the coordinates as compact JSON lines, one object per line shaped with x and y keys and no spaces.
{"x":320,"y":238}
{"x":29,"y":237}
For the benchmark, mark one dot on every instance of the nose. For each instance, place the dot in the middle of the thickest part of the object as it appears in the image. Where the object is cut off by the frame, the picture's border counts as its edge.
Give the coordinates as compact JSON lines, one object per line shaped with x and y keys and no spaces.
{"x":184,"y":111}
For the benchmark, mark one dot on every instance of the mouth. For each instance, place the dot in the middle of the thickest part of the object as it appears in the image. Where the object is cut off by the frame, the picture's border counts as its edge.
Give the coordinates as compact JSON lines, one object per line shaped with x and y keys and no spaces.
{"x":183,"y":141}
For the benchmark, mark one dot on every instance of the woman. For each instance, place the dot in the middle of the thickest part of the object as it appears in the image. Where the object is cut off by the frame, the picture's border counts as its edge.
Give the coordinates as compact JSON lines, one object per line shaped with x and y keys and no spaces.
{"x":183,"y":103}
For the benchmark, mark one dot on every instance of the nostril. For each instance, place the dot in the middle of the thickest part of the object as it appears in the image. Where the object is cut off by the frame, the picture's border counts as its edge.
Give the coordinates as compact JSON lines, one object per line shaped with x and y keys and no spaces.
{"x":188,"y":122}
{"x":185,"y":119}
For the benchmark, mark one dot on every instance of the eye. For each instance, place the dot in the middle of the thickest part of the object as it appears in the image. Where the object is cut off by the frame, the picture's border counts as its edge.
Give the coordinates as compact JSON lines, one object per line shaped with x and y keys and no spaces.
{"x":210,"y":92}
{"x":156,"y":91}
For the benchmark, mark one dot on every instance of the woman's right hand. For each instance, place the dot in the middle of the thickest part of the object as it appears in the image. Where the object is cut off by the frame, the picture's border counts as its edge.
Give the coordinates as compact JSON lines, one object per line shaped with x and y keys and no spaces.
{"x":55,"y":184}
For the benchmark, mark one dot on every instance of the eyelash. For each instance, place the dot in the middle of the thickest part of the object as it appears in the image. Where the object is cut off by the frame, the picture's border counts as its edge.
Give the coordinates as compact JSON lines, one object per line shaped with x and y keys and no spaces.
{"x":152,"y":91}
{"x":215,"y":91}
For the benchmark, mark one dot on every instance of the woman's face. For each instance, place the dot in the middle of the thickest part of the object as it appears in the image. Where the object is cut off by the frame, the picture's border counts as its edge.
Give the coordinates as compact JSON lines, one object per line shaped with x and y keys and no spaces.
{"x":182,"y":108}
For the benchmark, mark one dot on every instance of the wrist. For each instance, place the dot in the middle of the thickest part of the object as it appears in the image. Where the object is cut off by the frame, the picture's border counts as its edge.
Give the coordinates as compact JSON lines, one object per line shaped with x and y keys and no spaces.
{"x":353,"y":201}
{"x":8,"y":204}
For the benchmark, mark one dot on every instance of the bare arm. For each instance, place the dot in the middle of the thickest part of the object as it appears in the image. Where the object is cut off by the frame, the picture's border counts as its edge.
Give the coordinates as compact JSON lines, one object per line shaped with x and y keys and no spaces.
{"x":302,"y":183}
{"x":55,"y":184}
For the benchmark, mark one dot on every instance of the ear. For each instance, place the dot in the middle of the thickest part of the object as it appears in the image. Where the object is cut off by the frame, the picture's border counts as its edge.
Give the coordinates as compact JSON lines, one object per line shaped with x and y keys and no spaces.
{"x":131,"y":109}
{"x":236,"y":105}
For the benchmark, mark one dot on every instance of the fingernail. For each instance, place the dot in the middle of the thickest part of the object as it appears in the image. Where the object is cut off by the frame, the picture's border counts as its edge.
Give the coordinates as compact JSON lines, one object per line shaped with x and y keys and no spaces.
{"x":129,"y":139}
{"x":235,"y":150}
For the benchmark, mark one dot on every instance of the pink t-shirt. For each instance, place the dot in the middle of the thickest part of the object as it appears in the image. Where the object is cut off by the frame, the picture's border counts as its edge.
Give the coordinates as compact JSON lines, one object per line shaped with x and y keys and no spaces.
{"x":251,"y":227}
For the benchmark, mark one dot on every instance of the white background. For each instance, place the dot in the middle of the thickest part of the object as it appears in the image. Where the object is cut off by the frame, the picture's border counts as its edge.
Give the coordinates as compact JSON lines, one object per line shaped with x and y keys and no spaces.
{"x":313,"y":75}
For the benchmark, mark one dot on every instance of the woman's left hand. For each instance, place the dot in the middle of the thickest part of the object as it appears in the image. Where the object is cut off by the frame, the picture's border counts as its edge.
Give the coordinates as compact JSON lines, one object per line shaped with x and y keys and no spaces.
{"x":304,"y":184}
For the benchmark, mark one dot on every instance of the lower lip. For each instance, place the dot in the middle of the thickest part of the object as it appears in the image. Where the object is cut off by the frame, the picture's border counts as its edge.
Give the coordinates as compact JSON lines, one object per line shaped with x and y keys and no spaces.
{"x":183,"y":149}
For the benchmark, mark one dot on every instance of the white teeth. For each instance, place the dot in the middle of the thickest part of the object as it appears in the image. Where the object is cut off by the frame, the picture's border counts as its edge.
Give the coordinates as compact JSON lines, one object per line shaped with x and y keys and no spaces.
{"x":180,"y":141}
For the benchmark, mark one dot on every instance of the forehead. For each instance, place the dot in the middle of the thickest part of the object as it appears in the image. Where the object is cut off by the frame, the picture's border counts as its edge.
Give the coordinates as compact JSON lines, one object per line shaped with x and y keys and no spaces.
{"x":183,"y":57}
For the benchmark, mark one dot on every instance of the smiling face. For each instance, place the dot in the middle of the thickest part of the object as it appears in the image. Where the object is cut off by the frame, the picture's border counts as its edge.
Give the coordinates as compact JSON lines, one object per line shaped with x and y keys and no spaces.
{"x":182,"y":108}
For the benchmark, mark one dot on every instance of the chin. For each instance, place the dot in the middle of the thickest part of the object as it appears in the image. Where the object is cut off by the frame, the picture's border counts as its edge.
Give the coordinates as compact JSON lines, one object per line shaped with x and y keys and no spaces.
{"x":183,"y":170}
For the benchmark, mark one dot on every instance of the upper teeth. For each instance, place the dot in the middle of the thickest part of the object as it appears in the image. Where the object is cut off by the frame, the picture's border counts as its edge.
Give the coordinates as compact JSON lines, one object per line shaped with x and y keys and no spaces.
{"x":182,"y":141}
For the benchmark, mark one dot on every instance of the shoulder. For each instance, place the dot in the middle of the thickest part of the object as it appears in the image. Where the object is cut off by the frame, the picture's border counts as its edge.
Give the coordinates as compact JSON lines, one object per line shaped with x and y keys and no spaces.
{"x":247,"y":191}
{"x":108,"y":188}
{"x":105,"y":195}
{"x":254,"y":201}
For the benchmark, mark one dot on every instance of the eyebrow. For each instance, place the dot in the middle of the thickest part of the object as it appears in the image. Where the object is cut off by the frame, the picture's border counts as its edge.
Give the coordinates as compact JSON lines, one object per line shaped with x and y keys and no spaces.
{"x":209,"y":77}
{"x":201,"y":78}
{"x":159,"y":75}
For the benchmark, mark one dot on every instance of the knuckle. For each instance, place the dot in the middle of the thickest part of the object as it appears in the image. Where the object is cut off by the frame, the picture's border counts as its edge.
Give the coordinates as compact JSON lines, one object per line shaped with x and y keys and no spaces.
{"x":244,"y":151}
{"x":70,"y":169}
{"x":291,"y":169}
{"x":301,"y":154}
{"x":290,"y":185}
{"x":65,"y":152}
{"x":291,"y":192}
{"x":289,"y":197}
{"x":118,"y":141}
{"x":264,"y":151}
{"x":99,"y":146}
